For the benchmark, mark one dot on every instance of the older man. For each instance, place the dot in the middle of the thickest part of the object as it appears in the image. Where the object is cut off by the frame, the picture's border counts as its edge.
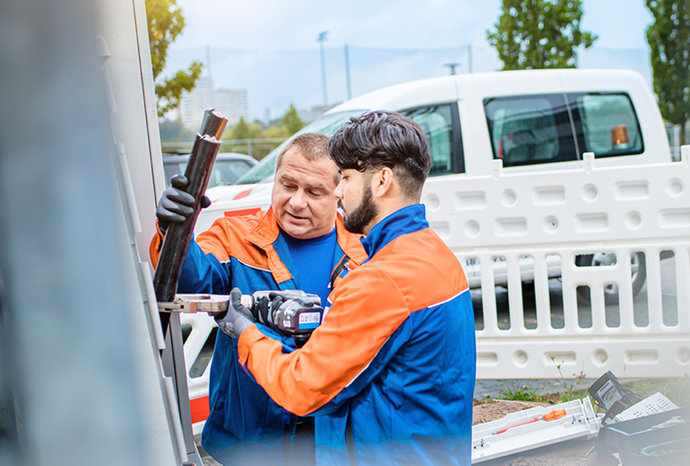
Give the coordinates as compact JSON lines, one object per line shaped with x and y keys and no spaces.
{"x":299,"y":242}
{"x":389,"y":375}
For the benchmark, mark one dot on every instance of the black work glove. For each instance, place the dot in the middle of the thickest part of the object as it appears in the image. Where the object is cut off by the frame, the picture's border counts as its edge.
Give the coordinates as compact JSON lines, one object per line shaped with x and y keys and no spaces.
{"x":238,"y":317}
{"x":176,"y":205}
{"x":264,"y":308}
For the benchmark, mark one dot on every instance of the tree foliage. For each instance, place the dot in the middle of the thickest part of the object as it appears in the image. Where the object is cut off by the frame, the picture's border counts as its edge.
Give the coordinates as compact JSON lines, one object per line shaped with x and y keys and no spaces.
{"x":292,"y":121}
{"x":533,"y":34}
{"x":165,"y":23}
{"x":276,"y":131}
{"x":288,"y":125}
{"x":174,"y":130}
{"x":669,"y":42}
{"x":244,"y":130}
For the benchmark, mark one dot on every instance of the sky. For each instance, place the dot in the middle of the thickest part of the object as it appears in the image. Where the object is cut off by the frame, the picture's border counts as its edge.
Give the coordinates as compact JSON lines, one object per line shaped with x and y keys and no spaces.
{"x":270,"y":47}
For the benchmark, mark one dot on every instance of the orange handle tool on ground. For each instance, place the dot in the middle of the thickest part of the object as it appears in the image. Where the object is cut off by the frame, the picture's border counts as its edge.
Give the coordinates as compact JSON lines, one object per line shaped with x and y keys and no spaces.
{"x":550,"y":416}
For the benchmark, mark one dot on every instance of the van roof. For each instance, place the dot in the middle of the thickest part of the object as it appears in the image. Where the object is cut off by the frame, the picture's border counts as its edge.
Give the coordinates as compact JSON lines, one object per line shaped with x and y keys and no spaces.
{"x":446,"y":88}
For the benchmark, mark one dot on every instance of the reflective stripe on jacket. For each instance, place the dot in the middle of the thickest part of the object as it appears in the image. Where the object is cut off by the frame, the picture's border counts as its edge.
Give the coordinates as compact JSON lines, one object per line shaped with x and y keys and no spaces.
{"x":245,"y":252}
{"x":389,"y":375}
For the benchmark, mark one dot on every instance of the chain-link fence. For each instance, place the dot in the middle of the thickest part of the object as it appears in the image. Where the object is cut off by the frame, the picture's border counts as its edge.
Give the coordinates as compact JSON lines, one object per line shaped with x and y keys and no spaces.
{"x":275,"y":78}
{"x":257,"y":148}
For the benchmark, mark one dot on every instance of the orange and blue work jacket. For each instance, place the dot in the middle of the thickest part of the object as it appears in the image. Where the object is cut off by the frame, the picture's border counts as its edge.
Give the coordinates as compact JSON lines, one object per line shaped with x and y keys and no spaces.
{"x":245,"y":252}
{"x":389,"y":375}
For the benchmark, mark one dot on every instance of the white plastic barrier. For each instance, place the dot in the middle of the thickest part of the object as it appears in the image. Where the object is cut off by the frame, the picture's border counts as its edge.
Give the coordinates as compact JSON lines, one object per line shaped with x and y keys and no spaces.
{"x":544,"y":220}
{"x":524,"y":231}
{"x":198,"y":372}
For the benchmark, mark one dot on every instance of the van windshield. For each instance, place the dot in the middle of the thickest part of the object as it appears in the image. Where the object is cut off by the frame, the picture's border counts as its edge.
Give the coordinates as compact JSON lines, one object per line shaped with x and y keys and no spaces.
{"x":326,"y":124}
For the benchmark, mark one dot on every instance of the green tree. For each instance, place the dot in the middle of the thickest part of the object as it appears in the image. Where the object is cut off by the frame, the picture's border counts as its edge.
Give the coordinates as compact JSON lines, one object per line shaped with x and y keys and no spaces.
{"x":165,"y":23}
{"x":244,"y":130}
{"x":532,"y":34}
{"x":277,"y":131}
{"x":669,"y":42}
{"x":174,"y":131}
{"x":292,"y":121}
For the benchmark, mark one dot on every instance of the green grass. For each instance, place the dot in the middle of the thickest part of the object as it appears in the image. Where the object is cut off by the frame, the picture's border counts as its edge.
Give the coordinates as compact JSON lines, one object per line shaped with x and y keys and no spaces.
{"x":675,"y":389}
{"x":520,"y":394}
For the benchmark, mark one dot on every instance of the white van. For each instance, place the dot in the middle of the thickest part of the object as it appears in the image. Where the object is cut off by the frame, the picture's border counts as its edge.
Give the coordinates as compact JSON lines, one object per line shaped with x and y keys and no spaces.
{"x":529,"y":120}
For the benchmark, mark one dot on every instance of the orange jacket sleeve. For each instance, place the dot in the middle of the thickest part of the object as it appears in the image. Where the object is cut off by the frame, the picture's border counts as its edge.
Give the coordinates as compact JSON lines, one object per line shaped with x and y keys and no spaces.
{"x":358,"y":324}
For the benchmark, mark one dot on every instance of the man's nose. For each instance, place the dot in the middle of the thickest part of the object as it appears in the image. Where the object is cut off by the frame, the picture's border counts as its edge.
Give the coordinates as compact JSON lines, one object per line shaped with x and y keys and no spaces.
{"x":298,"y":200}
{"x":339,"y":191}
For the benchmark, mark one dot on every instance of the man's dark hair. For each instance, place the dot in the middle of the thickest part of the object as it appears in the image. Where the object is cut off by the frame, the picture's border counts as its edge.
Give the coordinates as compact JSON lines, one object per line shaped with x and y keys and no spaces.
{"x":384,"y":139}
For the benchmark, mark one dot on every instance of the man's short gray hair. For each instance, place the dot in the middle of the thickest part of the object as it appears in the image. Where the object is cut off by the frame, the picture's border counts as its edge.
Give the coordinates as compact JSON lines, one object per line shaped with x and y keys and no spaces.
{"x":312,"y":146}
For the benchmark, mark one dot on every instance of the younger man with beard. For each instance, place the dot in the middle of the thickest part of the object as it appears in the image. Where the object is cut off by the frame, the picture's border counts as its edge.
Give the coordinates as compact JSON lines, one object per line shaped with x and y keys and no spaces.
{"x":389,"y":374}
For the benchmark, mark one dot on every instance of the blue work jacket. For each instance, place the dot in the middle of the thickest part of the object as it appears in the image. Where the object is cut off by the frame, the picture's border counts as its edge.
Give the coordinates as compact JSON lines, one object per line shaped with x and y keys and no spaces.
{"x":248,"y":252}
{"x":389,"y":375}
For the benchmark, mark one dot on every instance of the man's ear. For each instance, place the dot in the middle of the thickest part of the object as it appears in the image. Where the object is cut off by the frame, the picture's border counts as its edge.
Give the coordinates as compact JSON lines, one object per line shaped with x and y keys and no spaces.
{"x":383,"y":182}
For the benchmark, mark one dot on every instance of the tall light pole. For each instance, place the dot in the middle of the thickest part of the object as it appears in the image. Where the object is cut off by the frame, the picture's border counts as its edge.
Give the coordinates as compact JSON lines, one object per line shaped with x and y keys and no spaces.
{"x":347,"y":72}
{"x":452,"y":66}
{"x":321,"y":39}
{"x":469,"y":58}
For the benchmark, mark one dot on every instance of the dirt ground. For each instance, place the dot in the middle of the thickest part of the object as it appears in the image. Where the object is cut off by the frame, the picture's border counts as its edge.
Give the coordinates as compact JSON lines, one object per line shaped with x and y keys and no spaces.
{"x":496,"y":409}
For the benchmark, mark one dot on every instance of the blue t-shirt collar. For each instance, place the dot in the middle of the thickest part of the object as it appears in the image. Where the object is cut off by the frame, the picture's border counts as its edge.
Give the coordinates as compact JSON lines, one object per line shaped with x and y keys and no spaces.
{"x":318,"y":239}
{"x":282,"y":247}
{"x":406,"y":220}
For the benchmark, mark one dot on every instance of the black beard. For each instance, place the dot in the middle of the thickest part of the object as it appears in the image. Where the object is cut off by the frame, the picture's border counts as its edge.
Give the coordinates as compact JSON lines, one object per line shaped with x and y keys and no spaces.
{"x":363,"y":214}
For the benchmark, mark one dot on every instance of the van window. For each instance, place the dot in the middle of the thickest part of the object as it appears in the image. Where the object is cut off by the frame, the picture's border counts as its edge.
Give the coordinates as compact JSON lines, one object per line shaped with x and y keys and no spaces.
{"x":437,"y":123}
{"x":606,"y":124}
{"x":527,"y":130}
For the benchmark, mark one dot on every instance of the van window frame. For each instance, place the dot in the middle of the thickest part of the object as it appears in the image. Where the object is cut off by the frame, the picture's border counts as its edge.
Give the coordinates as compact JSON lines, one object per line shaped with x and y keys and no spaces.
{"x":457,"y":159}
{"x":578,"y":129}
